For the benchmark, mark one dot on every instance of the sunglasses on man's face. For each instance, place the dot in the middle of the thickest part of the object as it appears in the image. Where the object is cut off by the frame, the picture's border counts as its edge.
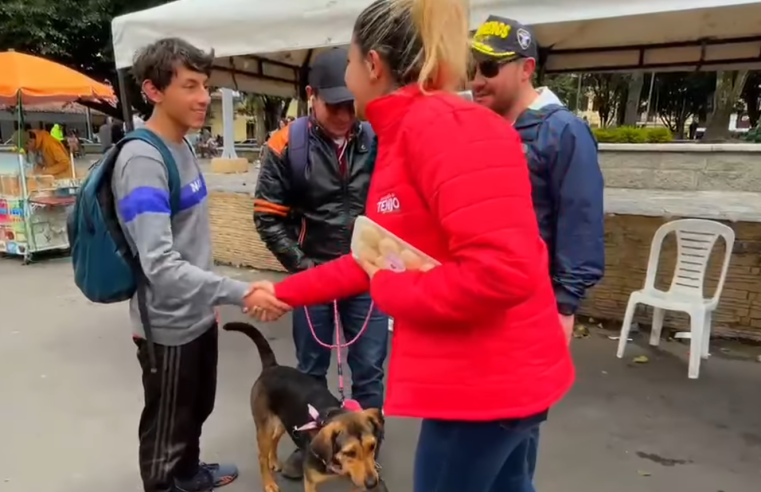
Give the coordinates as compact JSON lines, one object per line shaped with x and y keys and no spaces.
{"x":491,"y":68}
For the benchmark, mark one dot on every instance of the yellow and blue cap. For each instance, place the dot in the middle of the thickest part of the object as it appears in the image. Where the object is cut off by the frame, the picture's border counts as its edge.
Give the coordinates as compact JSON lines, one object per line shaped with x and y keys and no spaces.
{"x":503,"y":39}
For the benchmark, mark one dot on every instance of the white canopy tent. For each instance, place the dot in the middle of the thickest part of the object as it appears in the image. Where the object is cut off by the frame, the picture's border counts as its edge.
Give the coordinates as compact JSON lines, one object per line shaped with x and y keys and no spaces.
{"x":264,"y":45}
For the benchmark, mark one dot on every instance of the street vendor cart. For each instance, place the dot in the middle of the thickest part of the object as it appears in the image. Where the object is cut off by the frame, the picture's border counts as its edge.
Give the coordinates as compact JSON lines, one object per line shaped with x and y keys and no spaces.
{"x":34,"y":205}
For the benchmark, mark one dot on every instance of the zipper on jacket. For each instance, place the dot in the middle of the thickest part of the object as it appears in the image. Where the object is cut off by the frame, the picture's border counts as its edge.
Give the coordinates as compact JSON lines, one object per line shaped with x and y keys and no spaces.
{"x":343,"y":166}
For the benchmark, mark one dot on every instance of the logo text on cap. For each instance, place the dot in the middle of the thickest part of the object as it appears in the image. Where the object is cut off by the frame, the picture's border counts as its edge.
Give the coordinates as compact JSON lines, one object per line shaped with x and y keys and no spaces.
{"x":493,"y":28}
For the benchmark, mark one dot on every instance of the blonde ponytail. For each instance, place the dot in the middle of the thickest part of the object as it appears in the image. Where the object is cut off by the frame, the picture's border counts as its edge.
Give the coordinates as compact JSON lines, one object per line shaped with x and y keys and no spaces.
{"x":423,"y":41}
{"x":443,"y":27}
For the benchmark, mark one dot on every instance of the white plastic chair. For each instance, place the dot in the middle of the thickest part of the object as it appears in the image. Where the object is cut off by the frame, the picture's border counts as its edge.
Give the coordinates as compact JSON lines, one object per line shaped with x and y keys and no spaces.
{"x":695,"y":241}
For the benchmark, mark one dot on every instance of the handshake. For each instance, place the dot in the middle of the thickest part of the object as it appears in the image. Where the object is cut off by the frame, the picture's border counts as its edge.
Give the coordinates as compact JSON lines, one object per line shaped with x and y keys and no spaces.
{"x":260,"y":302}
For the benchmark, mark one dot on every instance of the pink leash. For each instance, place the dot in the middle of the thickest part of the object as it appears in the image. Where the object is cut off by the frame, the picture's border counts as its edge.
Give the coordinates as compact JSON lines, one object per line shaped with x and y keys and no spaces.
{"x":338,"y":346}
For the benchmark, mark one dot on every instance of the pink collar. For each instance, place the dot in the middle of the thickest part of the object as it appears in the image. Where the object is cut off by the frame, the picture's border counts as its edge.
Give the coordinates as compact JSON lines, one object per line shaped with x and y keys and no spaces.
{"x":316,"y":422}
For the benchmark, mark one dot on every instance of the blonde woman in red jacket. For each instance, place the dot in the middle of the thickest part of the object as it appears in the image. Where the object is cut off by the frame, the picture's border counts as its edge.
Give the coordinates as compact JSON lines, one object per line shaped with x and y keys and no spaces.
{"x":478,"y":351}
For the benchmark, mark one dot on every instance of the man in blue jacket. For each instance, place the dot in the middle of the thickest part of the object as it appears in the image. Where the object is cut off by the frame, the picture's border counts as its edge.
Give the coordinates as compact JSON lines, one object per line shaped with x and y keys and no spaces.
{"x":567,"y":184}
{"x":561,"y":153}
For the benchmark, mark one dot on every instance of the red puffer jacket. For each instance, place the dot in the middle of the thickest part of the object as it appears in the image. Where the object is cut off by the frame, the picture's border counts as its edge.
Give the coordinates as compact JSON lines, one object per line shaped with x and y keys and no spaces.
{"x":479,"y":337}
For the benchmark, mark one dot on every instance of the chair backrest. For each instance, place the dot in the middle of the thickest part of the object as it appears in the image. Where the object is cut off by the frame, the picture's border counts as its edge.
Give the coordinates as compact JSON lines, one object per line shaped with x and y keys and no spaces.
{"x":695,"y":241}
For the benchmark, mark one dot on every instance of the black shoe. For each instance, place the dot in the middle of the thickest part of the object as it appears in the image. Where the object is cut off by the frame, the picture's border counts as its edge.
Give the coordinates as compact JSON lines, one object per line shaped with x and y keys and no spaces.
{"x":201,"y":482}
{"x":293,"y":468}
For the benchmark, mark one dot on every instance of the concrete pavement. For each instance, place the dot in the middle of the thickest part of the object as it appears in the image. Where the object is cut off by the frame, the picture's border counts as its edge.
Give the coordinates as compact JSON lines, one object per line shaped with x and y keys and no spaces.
{"x":70,"y":399}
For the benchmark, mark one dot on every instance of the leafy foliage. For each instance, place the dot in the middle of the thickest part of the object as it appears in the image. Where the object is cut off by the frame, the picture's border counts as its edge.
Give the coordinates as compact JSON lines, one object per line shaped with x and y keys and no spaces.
{"x":753,"y":135}
{"x":566,"y":87}
{"x":630,"y":134}
{"x":266,"y":111}
{"x":609,"y":92}
{"x":681,"y":95}
{"x":726,"y":100}
{"x":76,"y":33}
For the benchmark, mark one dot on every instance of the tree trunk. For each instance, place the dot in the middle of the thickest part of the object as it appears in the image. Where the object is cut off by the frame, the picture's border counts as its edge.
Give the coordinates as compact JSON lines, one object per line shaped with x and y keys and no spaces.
{"x":729,"y":86}
{"x":631,"y":111}
{"x":261,"y":124}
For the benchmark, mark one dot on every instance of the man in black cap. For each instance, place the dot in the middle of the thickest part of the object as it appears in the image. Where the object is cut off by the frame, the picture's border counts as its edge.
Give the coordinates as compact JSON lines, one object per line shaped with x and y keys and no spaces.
{"x":312,"y":184}
{"x":561,"y":151}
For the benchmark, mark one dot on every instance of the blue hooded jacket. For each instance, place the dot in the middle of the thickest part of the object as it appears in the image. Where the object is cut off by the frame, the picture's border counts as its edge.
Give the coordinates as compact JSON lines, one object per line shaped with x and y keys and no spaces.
{"x":567,"y":190}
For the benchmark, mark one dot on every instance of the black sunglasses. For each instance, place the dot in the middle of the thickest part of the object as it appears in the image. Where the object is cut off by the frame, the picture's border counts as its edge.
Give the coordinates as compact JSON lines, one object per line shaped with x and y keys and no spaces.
{"x":491,"y":68}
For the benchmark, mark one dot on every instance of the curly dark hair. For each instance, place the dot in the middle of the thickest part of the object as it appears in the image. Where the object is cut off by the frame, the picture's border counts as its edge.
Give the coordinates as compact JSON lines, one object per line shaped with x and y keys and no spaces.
{"x":159,"y":61}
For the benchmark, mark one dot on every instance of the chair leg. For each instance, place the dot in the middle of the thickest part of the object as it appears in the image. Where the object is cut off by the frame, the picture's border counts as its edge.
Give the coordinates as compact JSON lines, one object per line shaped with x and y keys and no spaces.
{"x":705,"y":353}
{"x":655,"y":333}
{"x":697,"y":320}
{"x":626,"y":327}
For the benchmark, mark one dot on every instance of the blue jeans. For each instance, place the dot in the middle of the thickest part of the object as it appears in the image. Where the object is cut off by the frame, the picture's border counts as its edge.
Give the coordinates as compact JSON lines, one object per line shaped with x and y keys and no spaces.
{"x":533,"y":451}
{"x":457,"y":456}
{"x":366,"y":356}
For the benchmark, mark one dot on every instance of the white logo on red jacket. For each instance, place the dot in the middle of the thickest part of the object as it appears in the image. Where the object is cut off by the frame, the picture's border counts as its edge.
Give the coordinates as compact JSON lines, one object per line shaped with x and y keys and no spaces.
{"x":388,"y":204}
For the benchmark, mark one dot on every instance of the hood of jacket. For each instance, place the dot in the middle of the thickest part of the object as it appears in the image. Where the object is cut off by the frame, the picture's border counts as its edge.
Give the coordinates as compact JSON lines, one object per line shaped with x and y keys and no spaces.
{"x":546,"y":98}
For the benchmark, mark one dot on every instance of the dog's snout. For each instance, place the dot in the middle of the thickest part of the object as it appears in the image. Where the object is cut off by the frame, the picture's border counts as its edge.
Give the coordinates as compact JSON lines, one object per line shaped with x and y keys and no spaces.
{"x":371,"y":482}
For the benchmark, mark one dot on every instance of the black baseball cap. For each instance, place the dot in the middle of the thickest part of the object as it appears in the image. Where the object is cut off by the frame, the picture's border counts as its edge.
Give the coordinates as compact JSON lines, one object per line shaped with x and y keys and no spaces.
{"x":326,"y":76}
{"x":503,"y":39}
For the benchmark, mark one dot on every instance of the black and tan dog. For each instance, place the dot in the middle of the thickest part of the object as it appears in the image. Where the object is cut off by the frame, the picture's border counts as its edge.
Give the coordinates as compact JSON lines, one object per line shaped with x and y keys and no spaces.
{"x":340,"y":443}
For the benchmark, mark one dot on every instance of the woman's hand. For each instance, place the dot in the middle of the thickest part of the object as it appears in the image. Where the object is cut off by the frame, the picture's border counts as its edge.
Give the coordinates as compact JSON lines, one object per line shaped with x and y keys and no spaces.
{"x":260,"y":302}
{"x":368,"y":267}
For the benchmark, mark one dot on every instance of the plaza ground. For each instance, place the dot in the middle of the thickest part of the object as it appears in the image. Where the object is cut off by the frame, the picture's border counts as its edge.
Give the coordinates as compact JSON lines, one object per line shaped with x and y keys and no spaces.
{"x":70,"y":398}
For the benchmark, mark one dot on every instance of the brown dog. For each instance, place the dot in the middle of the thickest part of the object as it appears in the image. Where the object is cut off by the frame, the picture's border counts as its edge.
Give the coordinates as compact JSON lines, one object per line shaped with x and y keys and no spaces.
{"x":336,"y":442}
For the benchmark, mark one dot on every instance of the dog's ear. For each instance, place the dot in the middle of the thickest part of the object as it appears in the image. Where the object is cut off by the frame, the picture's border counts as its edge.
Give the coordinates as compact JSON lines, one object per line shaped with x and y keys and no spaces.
{"x":324,"y":443}
{"x":375,"y":417}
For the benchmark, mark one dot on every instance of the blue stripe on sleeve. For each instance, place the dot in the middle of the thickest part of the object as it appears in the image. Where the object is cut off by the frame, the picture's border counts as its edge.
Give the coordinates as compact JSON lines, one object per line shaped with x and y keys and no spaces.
{"x":144,"y":200}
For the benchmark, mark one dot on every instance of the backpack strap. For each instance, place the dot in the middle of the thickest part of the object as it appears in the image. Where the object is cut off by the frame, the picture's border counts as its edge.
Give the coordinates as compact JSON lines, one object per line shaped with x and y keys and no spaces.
{"x":298,"y":153}
{"x":141,"y":280}
{"x":173,"y":173}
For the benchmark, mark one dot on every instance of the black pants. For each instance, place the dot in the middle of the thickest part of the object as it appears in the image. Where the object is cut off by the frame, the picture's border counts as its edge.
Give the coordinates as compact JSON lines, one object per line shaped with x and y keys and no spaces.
{"x":179,"y":397}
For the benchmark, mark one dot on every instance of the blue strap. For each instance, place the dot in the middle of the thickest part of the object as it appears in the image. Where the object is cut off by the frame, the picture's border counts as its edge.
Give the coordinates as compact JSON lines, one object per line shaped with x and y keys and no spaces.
{"x":298,"y":150}
{"x":298,"y":153}
{"x":173,"y":174}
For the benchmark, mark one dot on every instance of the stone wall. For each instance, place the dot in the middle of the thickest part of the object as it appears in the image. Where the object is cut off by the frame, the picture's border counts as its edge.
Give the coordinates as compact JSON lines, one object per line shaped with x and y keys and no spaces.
{"x":233,"y":235}
{"x":682,"y":167}
{"x":627,"y":246}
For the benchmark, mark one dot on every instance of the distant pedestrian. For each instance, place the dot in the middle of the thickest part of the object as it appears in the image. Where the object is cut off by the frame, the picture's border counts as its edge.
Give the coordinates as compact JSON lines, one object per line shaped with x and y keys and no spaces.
{"x":693,"y":129}
{"x":104,"y":135}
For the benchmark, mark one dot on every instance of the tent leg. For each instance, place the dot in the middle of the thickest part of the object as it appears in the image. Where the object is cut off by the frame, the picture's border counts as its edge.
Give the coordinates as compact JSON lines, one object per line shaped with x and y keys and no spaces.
{"x":123,"y":80}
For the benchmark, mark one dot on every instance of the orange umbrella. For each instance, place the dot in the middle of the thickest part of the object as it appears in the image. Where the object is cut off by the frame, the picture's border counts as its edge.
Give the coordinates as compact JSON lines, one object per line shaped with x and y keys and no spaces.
{"x":39,"y":81}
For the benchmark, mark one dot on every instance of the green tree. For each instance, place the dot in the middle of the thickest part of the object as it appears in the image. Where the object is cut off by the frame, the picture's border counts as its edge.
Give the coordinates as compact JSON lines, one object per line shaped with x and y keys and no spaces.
{"x":678,"y":96}
{"x":266,"y":111}
{"x":566,"y":87}
{"x":729,"y":87}
{"x":634,"y":99}
{"x":75,"y":33}
{"x":609,"y":95}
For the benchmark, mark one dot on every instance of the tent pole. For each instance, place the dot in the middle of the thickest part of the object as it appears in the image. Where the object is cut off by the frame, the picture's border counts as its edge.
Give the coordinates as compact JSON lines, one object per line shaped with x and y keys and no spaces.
{"x":649,"y":98}
{"x":88,"y":119}
{"x":303,"y":81}
{"x":123,"y":80}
